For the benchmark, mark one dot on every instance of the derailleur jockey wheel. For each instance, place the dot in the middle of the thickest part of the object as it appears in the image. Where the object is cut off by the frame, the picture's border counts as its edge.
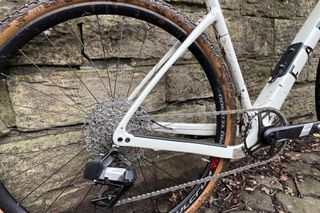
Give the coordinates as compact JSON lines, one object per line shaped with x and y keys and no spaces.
{"x":265,"y":148}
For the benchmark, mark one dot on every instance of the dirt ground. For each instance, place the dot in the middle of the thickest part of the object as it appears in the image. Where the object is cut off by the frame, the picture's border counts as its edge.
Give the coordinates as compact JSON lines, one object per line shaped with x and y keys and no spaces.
{"x":289,"y":184}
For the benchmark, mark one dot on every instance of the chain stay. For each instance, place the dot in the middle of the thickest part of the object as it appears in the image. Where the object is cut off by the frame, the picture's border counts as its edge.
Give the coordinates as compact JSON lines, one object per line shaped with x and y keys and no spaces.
{"x":208,"y":178}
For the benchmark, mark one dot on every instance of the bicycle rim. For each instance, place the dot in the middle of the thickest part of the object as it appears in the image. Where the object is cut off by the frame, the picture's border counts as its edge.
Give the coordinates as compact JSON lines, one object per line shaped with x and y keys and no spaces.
{"x":54,"y":85}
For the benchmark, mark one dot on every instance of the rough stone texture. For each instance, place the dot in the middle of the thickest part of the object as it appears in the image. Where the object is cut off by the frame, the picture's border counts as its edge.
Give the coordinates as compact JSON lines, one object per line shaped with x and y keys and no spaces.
{"x":277,"y":8}
{"x":285,"y":31}
{"x":256,"y":74}
{"x":3,"y":129}
{"x":243,"y":211}
{"x":210,"y":210}
{"x":6,"y":113}
{"x":309,"y":187}
{"x":7,"y":6}
{"x":54,"y":99}
{"x":298,"y":167}
{"x":187,"y":82}
{"x":291,"y":188}
{"x":260,"y":30}
{"x":309,"y":71}
{"x":36,"y":103}
{"x":138,"y":40}
{"x":225,"y":4}
{"x":38,"y":157}
{"x":294,"y":204}
{"x":189,"y":107}
{"x":57,"y":46}
{"x":252,"y":37}
{"x":269,"y":182}
{"x":310,"y":157}
{"x":258,"y":200}
{"x":300,"y":102}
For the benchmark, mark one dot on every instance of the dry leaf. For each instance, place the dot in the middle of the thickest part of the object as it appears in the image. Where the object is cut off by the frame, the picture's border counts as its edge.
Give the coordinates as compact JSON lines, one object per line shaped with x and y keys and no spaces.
{"x":284,"y":178}
{"x":250,"y":189}
{"x":265,"y":190}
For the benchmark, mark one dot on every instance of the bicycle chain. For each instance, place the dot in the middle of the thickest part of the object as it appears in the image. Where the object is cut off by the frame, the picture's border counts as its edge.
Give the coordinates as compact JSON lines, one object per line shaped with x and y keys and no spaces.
{"x":208,"y":178}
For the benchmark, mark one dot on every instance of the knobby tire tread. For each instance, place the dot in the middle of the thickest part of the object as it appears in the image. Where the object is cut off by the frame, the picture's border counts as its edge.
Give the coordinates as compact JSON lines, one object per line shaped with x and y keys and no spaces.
{"x":224,"y":77}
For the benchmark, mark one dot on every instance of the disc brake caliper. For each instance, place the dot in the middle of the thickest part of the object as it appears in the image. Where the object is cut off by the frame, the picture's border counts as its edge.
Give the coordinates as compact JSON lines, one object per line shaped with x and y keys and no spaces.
{"x":112,"y":171}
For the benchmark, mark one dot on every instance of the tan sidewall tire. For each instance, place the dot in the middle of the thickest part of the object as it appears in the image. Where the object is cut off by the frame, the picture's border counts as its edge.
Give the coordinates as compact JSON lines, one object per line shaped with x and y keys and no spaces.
{"x":35,"y":10}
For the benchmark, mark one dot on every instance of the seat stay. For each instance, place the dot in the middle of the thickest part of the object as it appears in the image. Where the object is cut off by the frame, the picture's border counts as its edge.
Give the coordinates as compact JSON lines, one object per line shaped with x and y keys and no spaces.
{"x":154,"y":70}
{"x":120,"y":131}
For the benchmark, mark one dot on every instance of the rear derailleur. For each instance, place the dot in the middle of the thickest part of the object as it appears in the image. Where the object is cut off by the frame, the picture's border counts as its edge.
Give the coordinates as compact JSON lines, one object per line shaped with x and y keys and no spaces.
{"x":113,"y":171}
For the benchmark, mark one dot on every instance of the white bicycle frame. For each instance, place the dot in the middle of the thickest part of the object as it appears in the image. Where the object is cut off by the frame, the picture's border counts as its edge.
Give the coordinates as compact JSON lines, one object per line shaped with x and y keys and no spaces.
{"x":273,"y":95}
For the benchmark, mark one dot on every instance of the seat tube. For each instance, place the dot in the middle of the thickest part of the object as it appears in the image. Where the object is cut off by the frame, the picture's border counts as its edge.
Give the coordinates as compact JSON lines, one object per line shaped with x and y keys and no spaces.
{"x":230,"y":55}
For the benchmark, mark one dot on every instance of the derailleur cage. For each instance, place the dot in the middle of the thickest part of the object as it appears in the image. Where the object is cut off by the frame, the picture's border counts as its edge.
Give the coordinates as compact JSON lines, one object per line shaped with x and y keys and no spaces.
{"x":113,"y":171}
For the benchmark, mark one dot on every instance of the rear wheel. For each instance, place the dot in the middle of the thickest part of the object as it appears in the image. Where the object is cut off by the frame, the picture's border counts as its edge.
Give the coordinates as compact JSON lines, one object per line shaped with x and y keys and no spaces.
{"x":317,"y":92}
{"x":70,"y":66}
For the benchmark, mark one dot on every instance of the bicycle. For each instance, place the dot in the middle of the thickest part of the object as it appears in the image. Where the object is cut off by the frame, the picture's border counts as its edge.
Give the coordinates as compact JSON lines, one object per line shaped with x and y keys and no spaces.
{"x":57,"y":62}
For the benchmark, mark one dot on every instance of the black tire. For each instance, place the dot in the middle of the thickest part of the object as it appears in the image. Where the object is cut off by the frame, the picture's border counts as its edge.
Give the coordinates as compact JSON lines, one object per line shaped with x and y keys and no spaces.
{"x":21,"y":29}
{"x":317,"y":91}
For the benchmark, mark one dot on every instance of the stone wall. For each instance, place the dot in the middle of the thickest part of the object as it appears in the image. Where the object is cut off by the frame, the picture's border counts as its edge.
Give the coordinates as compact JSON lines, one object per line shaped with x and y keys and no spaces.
{"x":261,"y":31}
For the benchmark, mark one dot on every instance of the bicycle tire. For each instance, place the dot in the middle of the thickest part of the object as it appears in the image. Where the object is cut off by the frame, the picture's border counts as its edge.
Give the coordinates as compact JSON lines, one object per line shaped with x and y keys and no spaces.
{"x":38,"y":16}
{"x":317,"y":92}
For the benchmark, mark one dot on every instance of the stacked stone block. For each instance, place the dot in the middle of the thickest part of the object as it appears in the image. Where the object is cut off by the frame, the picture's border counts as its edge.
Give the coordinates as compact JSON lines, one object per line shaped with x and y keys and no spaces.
{"x":260,"y":30}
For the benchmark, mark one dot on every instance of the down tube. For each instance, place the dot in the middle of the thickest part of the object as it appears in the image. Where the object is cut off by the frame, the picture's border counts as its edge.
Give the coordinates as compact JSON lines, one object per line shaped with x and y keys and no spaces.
{"x":291,"y":63}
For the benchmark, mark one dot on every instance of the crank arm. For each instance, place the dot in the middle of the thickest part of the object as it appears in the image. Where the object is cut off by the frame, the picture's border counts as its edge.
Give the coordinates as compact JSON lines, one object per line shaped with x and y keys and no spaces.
{"x":284,"y":133}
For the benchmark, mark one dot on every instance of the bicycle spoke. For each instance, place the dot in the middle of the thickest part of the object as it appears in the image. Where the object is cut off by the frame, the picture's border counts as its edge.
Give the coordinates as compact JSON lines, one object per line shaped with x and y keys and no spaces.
{"x":117,"y":48}
{"x":55,"y":84}
{"x":37,"y":165}
{"x":48,"y":149}
{"x":139,"y":57}
{"x":46,"y":110}
{"x":80,"y":40}
{"x":146,"y":103}
{"x":146,"y":184}
{"x":118,"y":60}
{"x":153,"y":164}
{"x":130,"y":194}
{"x":43,"y":93}
{"x":104,"y":54}
{"x":78,"y":77}
{"x":86,"y":194}
{"x":51,"y":176}
{"x":65,"y":188}
{"x":167,"y":173}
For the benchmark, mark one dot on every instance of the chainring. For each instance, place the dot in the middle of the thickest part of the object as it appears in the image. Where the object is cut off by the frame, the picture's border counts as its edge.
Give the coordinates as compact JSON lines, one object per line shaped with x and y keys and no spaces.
{"x":262,"y":150}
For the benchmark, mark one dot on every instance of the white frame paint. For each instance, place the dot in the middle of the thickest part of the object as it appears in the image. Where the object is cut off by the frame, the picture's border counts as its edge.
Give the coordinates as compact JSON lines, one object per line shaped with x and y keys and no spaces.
{"x":273,"y":95}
